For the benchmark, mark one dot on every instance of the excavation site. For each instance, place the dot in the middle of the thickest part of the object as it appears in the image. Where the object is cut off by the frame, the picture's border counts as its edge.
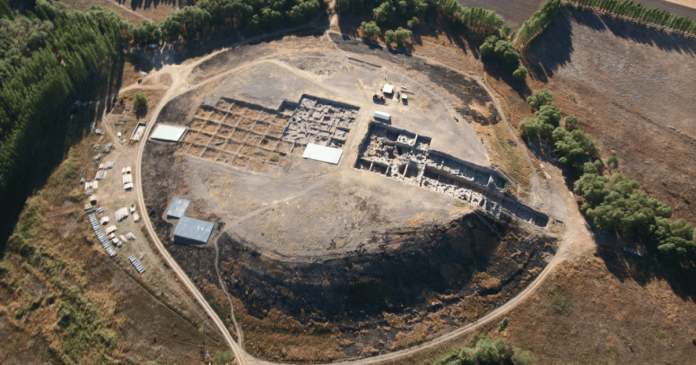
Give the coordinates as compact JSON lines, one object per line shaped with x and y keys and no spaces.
{"x":338,"y":205}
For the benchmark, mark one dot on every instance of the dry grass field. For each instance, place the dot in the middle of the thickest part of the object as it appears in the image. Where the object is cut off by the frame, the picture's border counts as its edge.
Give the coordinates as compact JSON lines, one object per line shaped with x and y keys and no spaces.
{"x":63,"y":299}
{"x":635,"y":97}
{"x":610,"y":309}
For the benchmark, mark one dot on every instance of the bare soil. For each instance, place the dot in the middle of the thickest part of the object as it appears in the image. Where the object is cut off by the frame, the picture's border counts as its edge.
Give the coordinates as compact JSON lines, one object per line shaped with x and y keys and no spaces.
{"x":634,"y":97}
{"x":354,"y":238}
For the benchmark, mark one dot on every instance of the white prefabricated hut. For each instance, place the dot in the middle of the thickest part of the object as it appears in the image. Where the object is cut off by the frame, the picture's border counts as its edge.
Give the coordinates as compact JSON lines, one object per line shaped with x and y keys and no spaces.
{"x":382,"y":116}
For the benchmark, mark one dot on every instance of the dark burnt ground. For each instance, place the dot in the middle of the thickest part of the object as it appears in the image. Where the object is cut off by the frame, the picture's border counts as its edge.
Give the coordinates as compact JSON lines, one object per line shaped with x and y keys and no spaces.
{"x":456,"y":271}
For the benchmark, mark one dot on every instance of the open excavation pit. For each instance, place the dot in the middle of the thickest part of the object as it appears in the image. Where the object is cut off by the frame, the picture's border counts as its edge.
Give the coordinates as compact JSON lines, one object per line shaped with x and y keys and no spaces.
{"x":407,"y":157}
{"x":320,"y":121}
{"x":380,"y":259}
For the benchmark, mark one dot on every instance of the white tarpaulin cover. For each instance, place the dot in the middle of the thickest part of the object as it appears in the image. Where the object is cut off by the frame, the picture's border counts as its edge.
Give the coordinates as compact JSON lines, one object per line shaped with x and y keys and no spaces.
{"x":168,"y":133}
{"x":382,"y":115}
{"x":121,"y":214}
{"x":322,"y":153}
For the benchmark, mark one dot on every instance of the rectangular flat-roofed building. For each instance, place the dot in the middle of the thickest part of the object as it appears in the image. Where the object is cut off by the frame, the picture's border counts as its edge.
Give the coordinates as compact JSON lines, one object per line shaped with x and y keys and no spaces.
{"x":178,"y":208}
{"x":168,"y":133}
{"x":191,"y":231}
{"x":322,"y":153}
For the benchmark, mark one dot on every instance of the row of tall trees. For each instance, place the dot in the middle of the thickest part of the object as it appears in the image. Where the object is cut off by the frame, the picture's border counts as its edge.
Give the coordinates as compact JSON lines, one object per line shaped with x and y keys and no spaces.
{"x":614,"y":204}
{"x":211,"y":15}
{"x":638,"y":12}
{"x":537,"y":22}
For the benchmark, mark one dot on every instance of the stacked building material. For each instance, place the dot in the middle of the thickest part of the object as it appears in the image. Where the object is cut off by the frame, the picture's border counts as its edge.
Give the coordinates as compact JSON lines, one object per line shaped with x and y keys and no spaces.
{"x":100,"y":235}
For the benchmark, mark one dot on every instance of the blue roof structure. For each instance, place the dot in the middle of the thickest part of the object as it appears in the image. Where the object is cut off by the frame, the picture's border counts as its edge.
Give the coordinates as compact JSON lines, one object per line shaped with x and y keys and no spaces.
{"x":178,"y":208}
{"x":193,"y":231}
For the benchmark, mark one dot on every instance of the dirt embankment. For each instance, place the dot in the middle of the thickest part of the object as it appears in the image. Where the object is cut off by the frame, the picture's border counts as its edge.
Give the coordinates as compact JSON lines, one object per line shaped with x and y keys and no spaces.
{"x":422,"y":283}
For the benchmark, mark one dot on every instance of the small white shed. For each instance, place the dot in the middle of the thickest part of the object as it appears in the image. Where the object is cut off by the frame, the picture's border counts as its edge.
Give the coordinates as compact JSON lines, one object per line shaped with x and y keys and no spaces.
{"x":382,"y":116}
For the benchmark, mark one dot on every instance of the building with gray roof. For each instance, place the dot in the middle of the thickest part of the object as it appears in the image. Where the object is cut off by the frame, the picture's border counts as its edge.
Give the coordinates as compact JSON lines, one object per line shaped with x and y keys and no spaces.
{"x":178,"y":208}
{"x":193,"y":231}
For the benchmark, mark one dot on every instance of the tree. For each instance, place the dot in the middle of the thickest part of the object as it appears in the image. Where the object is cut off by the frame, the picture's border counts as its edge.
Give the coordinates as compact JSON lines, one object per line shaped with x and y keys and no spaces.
{"x":389,"y":37}
{"x":549,"y":113}
{"x":384,"y":12}
{"x":488,"y":351}
{"x":401,"y":34}
{"x":503,"y":324}
{"x":520,"y":73}
{"x":139,"y":99}
{"x":413,"y":22}
{"x":534,"y":128}
{"x":613,"y":162}
{"x":573,"y":147}
{"x":591,"y":187}
{"x":571,"y":123}
{"x":370,"y":30}
{"x":505,"y":52}
{"x":540,"y":98}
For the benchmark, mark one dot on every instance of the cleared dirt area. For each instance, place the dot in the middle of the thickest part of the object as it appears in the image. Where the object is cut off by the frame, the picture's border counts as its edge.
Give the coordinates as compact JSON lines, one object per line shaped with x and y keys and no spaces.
{"x":315,"y":251}
{"x":635,"y":98}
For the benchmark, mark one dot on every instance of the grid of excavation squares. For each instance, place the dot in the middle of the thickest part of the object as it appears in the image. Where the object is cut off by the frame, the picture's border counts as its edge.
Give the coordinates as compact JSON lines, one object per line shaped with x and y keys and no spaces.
{"x":239,"y":134}
{"x":320,"y":121}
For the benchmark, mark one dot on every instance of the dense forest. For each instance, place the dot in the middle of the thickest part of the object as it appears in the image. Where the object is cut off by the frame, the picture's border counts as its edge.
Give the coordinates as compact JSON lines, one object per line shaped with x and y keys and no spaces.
{"x":48,"y":58}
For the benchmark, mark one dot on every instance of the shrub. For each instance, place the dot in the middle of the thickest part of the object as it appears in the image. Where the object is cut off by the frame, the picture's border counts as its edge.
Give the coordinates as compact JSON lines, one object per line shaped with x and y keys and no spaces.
{"x":139,"y":99}
{"x":613,"y":162}
{"x":520,"y":73}
{"x":370,"y":30}
{"x":397,"y":36}
{"x":523,"y":357}
{"x":571,"y":123}
{"x":539,"y":98}
{"x":503,"y":324}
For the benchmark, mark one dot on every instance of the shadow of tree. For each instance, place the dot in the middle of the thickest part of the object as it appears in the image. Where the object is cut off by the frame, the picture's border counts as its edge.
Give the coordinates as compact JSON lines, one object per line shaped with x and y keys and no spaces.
{"x":553,"y":48}
{"x":644,"y":270}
